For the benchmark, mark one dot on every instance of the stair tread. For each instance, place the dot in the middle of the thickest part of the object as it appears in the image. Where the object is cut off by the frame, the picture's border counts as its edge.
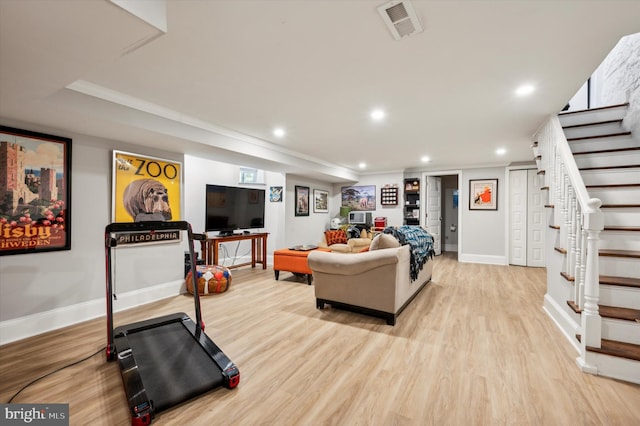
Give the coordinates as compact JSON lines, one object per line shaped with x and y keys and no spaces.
{"x":609,"y":135}
{"x":627,"y":166}
{"x":614,"y":185}
{"x":594,"y":123}
{"x":622,"y":228}
{"x":562,"y":113}
{"x":623,"y":281}
{"x":619,"y":253}
{"x":608,"y":151}
{"x":615,"y":312}
{"x":609,"y":280}
{"x":615,"y":348}
{"x":619,"y":206}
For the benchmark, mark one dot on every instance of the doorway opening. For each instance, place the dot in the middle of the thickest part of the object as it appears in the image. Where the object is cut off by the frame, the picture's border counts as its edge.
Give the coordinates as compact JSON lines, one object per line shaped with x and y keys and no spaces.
{"x":443,"y":212}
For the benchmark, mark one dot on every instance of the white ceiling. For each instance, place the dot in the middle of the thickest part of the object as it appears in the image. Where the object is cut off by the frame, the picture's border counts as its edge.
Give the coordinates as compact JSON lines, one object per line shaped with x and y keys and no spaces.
{"x":226,"y":73}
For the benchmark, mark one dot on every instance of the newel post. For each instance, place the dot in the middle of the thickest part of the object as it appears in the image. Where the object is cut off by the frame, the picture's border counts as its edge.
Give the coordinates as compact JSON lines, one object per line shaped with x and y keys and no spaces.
{"x":591,"y":321}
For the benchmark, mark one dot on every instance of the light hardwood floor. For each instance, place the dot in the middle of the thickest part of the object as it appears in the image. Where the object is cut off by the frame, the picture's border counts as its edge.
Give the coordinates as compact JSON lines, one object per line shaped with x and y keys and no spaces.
{"x":474,"y":348}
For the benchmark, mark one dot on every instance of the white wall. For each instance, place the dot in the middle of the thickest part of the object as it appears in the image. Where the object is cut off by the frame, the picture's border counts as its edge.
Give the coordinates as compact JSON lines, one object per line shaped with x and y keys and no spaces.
{"x":44,"y":291}
{"x":615,"y":81}
{"x":620,"y":73}
{"x":483,"y":231}
{"x":394,"y":214}
{"x":199,"y":172}
{"x":305,"y":229}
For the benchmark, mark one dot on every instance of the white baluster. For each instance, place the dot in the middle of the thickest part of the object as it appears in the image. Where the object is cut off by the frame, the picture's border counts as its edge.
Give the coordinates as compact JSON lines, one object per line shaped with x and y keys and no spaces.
{"x":571,"y":248}
{"x":577,"y":290}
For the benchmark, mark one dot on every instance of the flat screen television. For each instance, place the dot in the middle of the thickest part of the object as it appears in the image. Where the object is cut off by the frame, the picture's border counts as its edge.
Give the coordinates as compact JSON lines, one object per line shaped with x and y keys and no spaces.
{"x":230,"y":208}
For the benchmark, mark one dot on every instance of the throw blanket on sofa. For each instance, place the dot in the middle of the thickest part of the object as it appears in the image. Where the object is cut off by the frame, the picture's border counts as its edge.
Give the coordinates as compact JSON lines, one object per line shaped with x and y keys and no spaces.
{"x":420,"y":242}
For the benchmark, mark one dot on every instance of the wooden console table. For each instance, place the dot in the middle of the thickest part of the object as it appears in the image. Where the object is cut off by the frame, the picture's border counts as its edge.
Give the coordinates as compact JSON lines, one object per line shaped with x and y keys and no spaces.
{"x":209,"y":248}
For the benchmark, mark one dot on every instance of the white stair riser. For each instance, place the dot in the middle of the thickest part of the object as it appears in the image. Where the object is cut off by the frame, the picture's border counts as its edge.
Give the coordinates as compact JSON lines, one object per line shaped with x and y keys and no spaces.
{"x":620,"y":240}
{"x":616,"y":195}
{"x":607,"y":159}
{"x":615,"y":367}
{"x":622,"y":297}
{"x":593,"y":130}
{"x":602,"y":143}
{"x":610,"y":177}
{"x":619,"y":267}
{"x":621,"y":217}
{"x":620,"y":330}
{"x":592,"y":116}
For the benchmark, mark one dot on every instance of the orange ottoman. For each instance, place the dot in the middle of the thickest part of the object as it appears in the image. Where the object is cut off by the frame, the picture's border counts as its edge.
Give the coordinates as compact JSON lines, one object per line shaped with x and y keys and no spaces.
{"x":294,"y":261}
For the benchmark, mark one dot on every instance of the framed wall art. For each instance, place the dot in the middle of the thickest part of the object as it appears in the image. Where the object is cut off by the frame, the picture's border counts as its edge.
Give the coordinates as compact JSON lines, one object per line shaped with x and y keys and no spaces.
{"x":483,"y":194}
{"x":146,"y":189}
{"x":320,"y":201}
{"x":359,"y":197}
{"x":35,"y":192}
{"x":275,"y":194}
{"x":302,"y":200}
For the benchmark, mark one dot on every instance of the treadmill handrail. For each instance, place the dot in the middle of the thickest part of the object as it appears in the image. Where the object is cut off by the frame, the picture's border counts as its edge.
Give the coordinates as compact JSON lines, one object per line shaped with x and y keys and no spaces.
{"x":151,"y":225}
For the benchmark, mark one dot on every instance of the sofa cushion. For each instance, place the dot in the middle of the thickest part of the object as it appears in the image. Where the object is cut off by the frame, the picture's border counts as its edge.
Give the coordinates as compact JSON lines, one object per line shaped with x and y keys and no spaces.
{"x":383,"y":241}
{"x":337,"y":236}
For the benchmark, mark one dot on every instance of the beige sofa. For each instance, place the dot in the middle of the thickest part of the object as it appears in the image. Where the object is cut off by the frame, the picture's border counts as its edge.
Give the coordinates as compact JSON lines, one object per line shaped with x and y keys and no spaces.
{"x":352,"y":245}
{"x":375,"y":282}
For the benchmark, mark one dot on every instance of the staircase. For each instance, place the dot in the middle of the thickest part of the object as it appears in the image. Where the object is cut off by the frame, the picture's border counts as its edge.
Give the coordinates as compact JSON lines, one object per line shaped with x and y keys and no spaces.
{"x":593,"y":288}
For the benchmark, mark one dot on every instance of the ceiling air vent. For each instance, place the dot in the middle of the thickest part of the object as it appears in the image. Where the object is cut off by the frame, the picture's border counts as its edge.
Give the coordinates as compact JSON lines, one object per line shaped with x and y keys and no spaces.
{"x":401,"y":19}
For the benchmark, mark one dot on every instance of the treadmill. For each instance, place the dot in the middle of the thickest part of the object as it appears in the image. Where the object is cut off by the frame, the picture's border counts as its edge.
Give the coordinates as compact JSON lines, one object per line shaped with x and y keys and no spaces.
{"x":166,"y":360}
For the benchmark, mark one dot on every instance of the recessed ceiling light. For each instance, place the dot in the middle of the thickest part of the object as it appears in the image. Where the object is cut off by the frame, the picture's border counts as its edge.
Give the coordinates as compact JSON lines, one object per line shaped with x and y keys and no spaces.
{"x":527,"y":89}
{"x":362,"y":165}
{"x":501,"y":151}
{"x":278,"y":132}
{"x":425,"y":159}
{"x":377,"y":114}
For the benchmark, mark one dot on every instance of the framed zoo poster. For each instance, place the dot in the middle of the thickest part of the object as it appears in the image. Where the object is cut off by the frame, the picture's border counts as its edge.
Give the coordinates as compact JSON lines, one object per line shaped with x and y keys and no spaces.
{"x":35,"y":192}
{"x":146,"y":189}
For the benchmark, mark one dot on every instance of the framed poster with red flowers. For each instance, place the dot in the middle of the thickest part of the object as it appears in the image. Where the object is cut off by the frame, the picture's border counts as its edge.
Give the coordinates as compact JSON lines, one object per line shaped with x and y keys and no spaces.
{"x":35,"y":192}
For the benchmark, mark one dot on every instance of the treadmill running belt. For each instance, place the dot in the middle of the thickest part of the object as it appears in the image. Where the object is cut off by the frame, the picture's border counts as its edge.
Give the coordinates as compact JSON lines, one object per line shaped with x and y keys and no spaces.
{"x":172,"y":365}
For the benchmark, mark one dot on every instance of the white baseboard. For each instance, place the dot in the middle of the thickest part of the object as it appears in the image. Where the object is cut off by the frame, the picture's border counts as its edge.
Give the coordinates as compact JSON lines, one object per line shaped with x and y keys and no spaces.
{"x":563,"y":321}
{"x":482,"y":258}
{"x":32,"y":325}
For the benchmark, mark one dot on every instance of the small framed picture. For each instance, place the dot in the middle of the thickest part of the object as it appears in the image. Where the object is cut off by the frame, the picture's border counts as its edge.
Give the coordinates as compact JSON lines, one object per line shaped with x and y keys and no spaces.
{"x":302,"y":200}
{"x":320,"y":201}
{"x":483,"y":194}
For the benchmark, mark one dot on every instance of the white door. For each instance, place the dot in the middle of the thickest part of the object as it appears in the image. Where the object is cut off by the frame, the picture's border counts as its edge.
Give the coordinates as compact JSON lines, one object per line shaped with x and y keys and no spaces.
{"x":526,"y":219}
{"x":518,"y":217}
{"x":433,"y":215}
{"x":535,"y":221}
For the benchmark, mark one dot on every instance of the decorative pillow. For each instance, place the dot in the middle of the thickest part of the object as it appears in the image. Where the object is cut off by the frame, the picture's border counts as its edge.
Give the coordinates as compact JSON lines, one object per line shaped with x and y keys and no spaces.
{"x":337,"y":236}
{"x":364,"y":234}
{"x":383,"y":241}
{"x":364,"y":249}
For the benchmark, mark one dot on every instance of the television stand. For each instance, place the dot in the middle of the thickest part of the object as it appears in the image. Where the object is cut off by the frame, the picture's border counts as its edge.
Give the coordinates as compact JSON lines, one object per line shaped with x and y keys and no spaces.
{"x":209,"y":248}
